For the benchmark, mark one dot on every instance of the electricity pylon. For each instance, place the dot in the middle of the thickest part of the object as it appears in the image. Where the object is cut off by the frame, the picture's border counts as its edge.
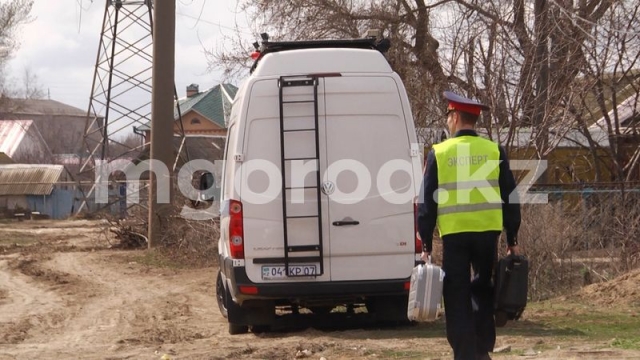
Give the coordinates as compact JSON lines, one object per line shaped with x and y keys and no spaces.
{"x":121,"y":92}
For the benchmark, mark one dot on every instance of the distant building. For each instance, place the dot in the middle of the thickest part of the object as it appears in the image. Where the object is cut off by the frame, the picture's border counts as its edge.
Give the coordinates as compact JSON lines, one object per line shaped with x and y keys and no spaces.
{"x":28,"y":188}
{"x":22,"y":142}
{"x":203,"y":113}
{"x":628,"y":114}
{"x":62,"y":126}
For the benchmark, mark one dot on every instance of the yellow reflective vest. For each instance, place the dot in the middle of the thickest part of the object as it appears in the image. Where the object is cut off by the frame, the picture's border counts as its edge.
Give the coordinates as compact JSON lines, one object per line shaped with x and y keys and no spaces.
{"x":468,"y":194}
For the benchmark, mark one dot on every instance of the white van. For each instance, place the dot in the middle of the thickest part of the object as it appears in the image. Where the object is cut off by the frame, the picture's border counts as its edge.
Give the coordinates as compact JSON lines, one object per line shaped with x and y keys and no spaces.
{"x":322,"y":169}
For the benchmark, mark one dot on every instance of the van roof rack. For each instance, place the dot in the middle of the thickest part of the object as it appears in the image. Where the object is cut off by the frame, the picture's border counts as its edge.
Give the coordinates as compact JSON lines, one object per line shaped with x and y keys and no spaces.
{"x":371,"y":42}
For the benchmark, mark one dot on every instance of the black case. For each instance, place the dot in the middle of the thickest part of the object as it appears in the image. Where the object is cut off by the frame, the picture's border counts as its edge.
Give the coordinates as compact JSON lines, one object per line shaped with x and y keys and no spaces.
{"x":511,"y":285}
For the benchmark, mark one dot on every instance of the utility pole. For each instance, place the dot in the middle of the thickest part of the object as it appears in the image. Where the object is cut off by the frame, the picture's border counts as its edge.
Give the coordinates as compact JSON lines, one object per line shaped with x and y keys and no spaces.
{"x":164,"y":34}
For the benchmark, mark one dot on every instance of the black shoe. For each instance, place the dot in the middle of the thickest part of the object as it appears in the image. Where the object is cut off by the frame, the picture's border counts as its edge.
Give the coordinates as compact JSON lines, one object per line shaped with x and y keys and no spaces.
{"x":484,"y":356}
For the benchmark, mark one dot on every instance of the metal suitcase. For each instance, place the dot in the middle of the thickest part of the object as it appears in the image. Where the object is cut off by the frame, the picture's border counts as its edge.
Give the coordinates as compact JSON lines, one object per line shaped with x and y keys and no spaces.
{"x":425,"y":292}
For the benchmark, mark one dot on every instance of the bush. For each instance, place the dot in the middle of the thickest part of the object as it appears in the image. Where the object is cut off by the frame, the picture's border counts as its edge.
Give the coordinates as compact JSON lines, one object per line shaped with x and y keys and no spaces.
{"x":575,"y":244}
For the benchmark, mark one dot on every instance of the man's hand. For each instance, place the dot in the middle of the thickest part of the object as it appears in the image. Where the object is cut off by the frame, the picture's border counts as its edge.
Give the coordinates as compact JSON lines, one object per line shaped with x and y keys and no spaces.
{"x":513,"y":250}
{"x":425,"y":256}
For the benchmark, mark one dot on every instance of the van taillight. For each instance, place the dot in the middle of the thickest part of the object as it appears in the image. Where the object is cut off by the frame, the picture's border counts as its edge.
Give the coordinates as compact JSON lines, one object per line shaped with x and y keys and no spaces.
{"x":236,"y":230}
{"x":418,"y":241}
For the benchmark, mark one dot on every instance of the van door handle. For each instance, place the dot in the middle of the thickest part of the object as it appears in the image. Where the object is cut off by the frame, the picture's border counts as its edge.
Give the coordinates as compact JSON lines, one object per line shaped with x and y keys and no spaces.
{"x":346,"y":222}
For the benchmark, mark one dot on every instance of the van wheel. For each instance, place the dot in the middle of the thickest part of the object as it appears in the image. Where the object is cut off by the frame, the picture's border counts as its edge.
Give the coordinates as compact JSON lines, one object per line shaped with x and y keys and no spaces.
{"x":225,"y":302}
{"x":389,"y":309}
{"x":220,"y":296}
{"x":236,"y":329}
{"x":259,"y":329}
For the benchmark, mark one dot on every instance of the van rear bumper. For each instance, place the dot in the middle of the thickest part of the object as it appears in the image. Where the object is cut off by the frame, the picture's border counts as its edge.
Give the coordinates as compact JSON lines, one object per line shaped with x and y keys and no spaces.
{"x":302,"y":290}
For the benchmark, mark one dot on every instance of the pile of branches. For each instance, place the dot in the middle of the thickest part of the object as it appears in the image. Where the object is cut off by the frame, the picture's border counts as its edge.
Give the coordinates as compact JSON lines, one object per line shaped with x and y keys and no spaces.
{"x":184,"y":241}
{"x":131,"y":235}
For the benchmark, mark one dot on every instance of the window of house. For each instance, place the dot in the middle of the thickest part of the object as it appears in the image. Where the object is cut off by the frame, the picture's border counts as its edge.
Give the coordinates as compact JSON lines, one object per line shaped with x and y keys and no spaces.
{"x":195,"y":121}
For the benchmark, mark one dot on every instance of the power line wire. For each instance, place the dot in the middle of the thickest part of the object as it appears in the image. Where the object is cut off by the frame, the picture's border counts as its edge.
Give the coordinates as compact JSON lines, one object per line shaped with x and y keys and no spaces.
{"x":213,"y":23}
{"x":199,"y":15}
{"x":82,"y":8}
{"x":197,"y":18}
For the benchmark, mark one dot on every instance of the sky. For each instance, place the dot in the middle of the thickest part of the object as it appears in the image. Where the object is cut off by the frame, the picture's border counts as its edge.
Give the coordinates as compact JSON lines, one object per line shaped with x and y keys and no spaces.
{"x":60,"y":45}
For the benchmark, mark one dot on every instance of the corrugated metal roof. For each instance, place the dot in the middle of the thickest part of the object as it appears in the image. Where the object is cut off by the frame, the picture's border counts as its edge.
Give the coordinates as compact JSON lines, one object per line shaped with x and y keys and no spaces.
{"x":204,"y":147}
{"x":626,"y":110}
{"x":41,"y":107}
{"x":11,"y":134}
{"x":29,"y":179}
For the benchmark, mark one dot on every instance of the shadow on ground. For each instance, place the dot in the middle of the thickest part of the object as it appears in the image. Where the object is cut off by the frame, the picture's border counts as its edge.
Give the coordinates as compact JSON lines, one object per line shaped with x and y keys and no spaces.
{"x":336,"y":324}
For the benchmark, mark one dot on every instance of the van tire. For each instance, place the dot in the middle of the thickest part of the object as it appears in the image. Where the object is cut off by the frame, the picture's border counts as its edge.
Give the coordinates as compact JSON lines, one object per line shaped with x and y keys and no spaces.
{"x":237,"y":329}
{"x":389,"y":309}
{"x":230,"y":306}
{"x":221,"y":296}
{"x":259,"y":329}
{"x":225,"y":302}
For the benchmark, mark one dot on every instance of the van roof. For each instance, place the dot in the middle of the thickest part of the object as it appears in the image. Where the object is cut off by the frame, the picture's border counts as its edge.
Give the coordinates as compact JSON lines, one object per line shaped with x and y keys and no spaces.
{"x":322,"y":61}
{"x":369,"y":43}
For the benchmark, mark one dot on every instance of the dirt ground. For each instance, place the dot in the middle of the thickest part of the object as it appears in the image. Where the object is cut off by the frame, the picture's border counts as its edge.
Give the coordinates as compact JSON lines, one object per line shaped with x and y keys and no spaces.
{"x":65,"y":294}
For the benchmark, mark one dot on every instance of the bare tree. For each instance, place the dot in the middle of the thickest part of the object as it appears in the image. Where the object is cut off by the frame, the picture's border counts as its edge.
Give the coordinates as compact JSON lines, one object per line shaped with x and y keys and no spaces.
{"x":59,"y":135}
{"x":31,"y":88}
{"x":124,"y":146}
{"x":547,"y":68}
{"x":13,"y":13}
{"x":414,"y":54}
{"x":612,"y":74}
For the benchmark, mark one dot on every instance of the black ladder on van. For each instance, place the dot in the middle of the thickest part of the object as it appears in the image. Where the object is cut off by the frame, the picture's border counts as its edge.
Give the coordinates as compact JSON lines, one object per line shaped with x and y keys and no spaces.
{"x":316,"y":248}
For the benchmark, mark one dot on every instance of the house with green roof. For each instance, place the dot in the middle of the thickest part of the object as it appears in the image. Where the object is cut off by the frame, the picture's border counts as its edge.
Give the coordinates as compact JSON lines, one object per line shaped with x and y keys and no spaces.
{"x":202,"y":113}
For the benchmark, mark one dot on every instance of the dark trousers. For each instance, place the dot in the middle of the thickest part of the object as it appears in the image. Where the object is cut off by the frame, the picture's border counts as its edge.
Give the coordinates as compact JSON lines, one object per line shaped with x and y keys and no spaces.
{"x":469,"y":332}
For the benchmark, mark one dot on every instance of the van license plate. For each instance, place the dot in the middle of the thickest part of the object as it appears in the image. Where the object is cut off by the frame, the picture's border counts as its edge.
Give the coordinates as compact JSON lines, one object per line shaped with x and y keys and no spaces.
{"x":280,"y":272}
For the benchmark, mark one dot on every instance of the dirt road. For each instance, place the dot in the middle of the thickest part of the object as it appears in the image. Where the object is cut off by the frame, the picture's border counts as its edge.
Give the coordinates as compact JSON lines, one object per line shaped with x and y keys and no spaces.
{"x":65,"y":295}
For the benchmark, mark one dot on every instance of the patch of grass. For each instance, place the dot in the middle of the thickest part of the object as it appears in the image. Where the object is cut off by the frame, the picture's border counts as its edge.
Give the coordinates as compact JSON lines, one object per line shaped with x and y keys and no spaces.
{"x":528,"y":328}
{"x":10,"y":238}
{"x":627,"y":344}
{"x":399,"y":354}
{"x":576,"y":320}
{"x":599,"y":324}
{"x":436,"y":329}
{"x":605,"y":326}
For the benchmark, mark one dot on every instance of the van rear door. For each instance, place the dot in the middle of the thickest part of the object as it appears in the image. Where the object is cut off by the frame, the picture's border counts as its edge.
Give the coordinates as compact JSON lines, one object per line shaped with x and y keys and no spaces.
{"x":368,"y":179}
{"x":262,"y":199}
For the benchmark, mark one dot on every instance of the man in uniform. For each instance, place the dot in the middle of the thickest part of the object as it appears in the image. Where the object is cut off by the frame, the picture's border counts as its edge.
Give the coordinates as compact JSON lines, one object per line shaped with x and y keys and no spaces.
{"x":466,"y":193}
